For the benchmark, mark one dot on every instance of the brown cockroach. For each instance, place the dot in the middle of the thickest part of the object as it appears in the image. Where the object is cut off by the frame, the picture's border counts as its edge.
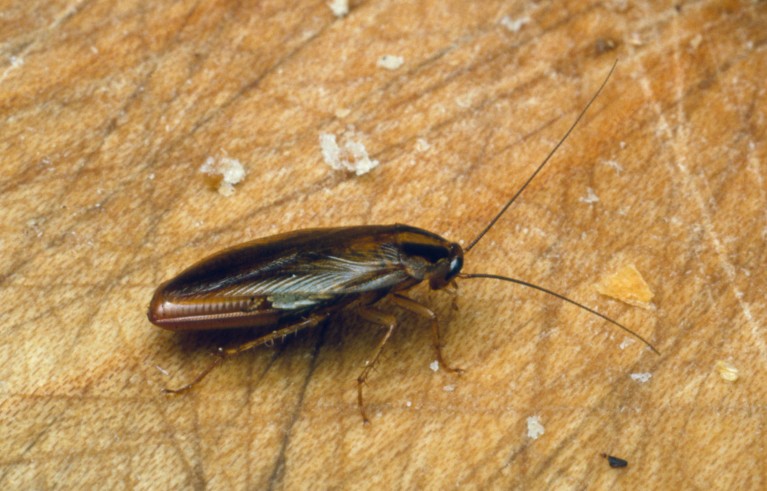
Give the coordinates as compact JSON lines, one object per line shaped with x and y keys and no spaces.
{"x":292,"y":281}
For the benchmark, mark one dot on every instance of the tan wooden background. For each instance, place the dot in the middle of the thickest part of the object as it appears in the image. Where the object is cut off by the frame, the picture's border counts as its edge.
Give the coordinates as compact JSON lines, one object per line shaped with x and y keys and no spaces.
{"x":108,"y":109}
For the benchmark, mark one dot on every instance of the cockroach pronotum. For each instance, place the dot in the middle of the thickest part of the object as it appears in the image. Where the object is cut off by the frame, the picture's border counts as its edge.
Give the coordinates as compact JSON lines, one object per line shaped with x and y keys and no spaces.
{"x":295,"y":280}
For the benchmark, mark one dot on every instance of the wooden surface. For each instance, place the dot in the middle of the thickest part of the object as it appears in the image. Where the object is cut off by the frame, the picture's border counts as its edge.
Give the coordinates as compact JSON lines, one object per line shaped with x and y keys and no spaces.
{"x":108,"y":109}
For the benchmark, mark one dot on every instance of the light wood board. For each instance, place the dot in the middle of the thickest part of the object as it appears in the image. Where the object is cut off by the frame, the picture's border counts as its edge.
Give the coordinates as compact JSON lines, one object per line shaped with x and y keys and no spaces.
{"x":108,"y":109}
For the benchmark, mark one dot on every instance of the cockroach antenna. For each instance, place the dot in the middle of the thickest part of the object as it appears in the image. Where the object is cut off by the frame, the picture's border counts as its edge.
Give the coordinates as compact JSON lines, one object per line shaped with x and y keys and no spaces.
{"x":516,"y":195}
{"x":542,"y":164}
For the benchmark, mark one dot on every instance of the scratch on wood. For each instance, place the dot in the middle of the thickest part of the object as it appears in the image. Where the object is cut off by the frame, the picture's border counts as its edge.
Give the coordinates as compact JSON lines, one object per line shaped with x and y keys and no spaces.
{"x":700,"y":193}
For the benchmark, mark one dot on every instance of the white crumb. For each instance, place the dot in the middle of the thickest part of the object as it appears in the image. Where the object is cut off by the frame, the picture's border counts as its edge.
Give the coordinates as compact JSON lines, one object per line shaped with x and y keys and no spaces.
{"x":642,"y":378}
{"x":614,"y":165}
{"x":225,"y":189}
{"x":695,"y":42}
{"x":449,"y":388}
{"x":350,"y":155}
{"x":331,"y":152}
{"x":339,"y":7}
{"x":421,"y":145}
{"x":626,"y":343}
{"x":408,"y":403}
{"x":434,"y":366}
{"x":390,"y":62}
{"x":342,"y":112}
{"x":534,"y":427}
{"x":16,"y":61}
{"x":35,"y":227}
{"x":635,"y":39}
{"x":590,"y":198}
{"x":229,"y":171}
{"x":514,"y":25}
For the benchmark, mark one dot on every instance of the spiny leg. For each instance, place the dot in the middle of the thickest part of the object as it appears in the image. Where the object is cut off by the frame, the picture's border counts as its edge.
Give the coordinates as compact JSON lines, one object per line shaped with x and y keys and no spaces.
{"x":408,"y":303}
{"x":223,"y":354}
{"x":452,"y":290}
{"x":390,"y":323}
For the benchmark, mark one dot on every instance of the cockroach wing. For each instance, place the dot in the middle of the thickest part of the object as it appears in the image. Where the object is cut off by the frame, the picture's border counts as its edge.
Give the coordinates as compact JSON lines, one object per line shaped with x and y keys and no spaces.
{"x":311,"y":280}
{"x":269,"y":281}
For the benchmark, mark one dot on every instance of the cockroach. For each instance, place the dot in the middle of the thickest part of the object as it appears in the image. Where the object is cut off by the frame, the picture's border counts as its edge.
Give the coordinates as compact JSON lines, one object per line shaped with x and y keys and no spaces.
{"x":293,"y":281}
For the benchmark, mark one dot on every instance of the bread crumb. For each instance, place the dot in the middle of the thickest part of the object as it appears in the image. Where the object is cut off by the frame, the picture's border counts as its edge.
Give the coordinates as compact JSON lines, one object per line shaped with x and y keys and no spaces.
{"x":628,"y":286}
{"x":626,"y":343}
{"x":390,"y":62}
{"x":35,"y":227}
{"x":350,"y":155}
{"x":695,"y":42}
{"x":434,"y":366}
{"x":534,"y":427}
{"x":642,"y":378}
{"x":224,"y":173}
{"x":635,"y":39}
{"x":339,"y":7}
{"x":727,"y":371}
{"x":421,"y":145}
{"x":614,"y":164}
{"x":514,"y":25}
{"x":590,"y":198}
{"x":603,"y":45}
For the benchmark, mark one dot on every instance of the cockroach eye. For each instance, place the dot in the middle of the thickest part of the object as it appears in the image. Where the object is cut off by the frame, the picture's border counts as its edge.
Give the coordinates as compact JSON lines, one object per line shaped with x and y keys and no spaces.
{"x":455,"y":267}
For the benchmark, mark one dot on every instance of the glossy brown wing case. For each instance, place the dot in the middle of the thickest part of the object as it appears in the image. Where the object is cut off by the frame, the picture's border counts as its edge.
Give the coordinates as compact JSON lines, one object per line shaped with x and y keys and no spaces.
{"x":270,"y":281}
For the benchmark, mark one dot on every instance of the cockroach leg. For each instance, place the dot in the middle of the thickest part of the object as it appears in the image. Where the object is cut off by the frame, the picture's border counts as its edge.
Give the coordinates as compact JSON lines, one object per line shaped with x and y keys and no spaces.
{"x":452,"y":290}
{"x":310,"y":321}
{"x":389,"y":322}
{"x":419,"y":309}
{"x":223,"y":354}
{"x":219,"y":360}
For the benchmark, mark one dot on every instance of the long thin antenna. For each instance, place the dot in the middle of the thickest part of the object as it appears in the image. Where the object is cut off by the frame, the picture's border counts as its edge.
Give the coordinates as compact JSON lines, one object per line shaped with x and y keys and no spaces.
{"x":561,"y":297}
{"x":542,"y":164}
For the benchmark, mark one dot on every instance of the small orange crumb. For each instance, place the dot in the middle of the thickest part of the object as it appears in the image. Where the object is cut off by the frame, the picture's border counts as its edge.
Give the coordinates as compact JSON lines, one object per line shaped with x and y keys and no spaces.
{"x":627,"y":285}
{"x":727,"y":371}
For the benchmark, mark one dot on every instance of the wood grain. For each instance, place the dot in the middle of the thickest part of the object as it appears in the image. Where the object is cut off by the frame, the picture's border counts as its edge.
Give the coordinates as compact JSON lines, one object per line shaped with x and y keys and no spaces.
{"x":109,"y":109}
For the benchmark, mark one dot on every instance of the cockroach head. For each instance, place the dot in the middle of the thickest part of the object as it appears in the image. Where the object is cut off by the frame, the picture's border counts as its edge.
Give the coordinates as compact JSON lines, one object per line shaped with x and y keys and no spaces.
{"x":447,"y":268}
